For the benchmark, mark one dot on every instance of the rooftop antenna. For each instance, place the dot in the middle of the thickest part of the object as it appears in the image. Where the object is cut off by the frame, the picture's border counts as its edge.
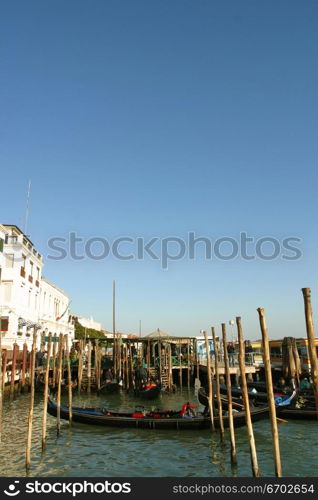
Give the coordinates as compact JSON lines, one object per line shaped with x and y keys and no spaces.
{"x":114,"y":314}
{"x":26,"y":214}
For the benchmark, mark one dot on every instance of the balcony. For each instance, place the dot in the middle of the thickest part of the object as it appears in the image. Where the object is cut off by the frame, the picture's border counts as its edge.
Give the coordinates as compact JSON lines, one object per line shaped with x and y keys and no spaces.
{"x":31,"y":279}
{"x":22,"y":272}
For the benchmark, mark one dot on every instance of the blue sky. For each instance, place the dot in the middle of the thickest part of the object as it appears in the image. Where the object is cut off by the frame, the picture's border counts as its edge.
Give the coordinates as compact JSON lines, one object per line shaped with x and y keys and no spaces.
{"x":156,"y":118}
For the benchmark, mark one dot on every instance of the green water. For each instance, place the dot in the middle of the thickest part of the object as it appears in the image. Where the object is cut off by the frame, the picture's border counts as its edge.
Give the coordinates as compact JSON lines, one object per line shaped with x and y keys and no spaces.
{"x":85,"y":450}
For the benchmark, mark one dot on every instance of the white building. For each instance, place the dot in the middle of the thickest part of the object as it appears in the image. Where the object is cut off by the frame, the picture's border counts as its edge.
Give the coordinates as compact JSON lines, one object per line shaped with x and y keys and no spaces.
{"x":54,"y":311}
{"x":21,"y":289}
{"x":3,"y":232}
{"x":89,"y":323}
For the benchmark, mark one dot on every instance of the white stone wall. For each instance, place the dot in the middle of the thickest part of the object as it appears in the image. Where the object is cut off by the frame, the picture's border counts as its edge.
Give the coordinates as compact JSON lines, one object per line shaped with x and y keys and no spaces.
{"x":89,"y":323}
{"x":53,"y":303}
{"x":20,"y":285}
{"x":23,"y":292}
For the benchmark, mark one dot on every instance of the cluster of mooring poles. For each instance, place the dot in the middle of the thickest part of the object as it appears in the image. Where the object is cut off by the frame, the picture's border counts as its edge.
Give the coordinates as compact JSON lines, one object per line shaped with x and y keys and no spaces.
{"x":91,"y":378}
{"x":213,"y":371}
{"x":57,"y":361}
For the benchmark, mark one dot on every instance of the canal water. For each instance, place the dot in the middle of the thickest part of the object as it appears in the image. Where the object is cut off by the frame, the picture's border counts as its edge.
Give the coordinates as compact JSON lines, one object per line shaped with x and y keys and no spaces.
{"x":84,"y":450}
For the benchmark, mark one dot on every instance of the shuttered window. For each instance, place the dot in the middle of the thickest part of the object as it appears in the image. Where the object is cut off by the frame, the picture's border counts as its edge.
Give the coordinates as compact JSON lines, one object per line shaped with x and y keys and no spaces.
{"x":4,"y":324}
{"x":7,"y":290}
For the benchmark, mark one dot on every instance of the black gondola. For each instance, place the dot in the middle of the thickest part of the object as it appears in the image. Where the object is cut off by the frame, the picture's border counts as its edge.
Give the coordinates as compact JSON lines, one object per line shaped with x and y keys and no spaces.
{"x":281,"y":401}
{"x":252,"y":393}
{"x":150,"y":392}
{"x":150,"y":420}
{"x":111,"y":386}
{"x":301,"y":409}
{"x":40,"y":387}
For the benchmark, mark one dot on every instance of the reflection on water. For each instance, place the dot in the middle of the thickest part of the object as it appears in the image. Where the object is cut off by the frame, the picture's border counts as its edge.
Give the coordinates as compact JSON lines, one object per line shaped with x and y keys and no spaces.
{"x":84,"y":450}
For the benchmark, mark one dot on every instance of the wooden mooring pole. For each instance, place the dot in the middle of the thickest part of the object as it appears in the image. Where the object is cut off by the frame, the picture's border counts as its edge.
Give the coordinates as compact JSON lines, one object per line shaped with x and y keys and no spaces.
{"x":270,"y":392}
{"x":180,"y":365}
{"x":59,"y":382}
{"x":1,"y":392}
{"x":13,"y":368}
{"x":4,"y":370}
{"x":31,"y":407}
{"x":170,"y":376}
{"x":24,"y":364}
{"x":127,"y":367}
{"x":197,"y":360}
{"x":148,"y":359}
{"x":80,"y":366}
{"x":160,"y":362}
{"x":209,"y":373}
{"x":89,"y":366}
{"x":249,"y":426}
{"x":54,"y":362}
{"x":69,"y":380}
{"x":311,"y":342}
{"x":46,"y":391}
{"x":218,"y":392}
{"x":97,"y":379}
{"x":229,"y":397}
{"x":189,"y":365}
{"x":131,"y":375}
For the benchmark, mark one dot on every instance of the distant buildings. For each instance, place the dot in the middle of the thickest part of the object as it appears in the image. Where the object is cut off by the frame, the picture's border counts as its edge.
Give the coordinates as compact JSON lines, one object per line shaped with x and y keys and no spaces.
{"x":89,"y":323}
{"x":54,"y":311}
{"x":27,"y":299}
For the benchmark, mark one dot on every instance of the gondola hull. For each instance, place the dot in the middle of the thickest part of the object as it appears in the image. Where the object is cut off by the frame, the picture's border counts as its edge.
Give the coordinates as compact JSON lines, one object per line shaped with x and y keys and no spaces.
{"x":109,"y":387}
{"x":151,"y":393}
{"x":99,"y":417}
{"x":281,"y":403}
{"x":40,"y":387}
{"x":299,"y":413}
{"x":261,"y":396}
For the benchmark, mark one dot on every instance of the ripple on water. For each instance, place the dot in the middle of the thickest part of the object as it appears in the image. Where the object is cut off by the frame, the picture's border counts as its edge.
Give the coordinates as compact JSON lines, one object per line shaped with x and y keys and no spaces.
{"x":97,"y":451}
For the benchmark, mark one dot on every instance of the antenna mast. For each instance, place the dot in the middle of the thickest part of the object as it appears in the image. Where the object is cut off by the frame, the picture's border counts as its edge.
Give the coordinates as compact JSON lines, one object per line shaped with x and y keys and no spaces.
{"x":114,"y":315}
{"x":26,"y":215}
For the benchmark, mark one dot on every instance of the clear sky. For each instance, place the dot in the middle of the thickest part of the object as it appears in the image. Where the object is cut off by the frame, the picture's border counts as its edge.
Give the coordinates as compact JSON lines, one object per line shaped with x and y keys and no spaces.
{"x":156,"y":118}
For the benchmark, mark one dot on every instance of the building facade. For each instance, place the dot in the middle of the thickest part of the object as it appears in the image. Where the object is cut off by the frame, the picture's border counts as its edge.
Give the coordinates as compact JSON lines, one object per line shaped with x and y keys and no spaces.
{"x":54,"y":311}
{"x":89,"y":323}
{"x":22,"y":290}
{"x":3,"y":232}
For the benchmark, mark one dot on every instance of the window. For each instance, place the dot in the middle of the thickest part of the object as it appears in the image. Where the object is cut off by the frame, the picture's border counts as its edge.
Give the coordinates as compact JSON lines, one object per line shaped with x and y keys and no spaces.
{"x":31,"y":268}
{"x":1,"y":245}
{"x":23,"y":261}
{"x":38,"y":273}
{"x":9,"y":259}
{"x":11,"y":238}
{"x":7,"y":291}
{"x":4,"y":323}
{"x":276,"y":352}
{"x":29,"y":298}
